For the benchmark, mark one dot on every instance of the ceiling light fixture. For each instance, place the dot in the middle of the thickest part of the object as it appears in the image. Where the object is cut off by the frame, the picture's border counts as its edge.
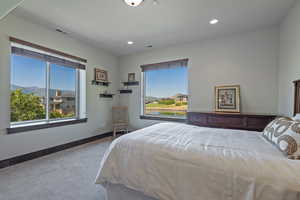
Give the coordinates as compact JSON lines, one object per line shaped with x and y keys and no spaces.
{"x":214,"y":21}
{"x":133,"y":3}
{"x":130,"y":42}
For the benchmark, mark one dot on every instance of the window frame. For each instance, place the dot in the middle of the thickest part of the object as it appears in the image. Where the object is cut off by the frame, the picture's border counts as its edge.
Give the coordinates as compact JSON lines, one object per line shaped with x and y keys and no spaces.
{"x":22,"y":126}
{"x":143,"y":114}
{"x":77,"y":96}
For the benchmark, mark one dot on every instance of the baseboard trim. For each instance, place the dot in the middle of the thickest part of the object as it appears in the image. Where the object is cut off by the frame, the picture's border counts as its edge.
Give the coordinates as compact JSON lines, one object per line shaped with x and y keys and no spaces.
{"x":44,"y":152}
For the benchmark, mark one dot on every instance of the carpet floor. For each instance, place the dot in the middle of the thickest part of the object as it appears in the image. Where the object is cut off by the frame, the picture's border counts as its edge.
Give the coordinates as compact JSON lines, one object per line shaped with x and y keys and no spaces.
{"x":66,"y":175}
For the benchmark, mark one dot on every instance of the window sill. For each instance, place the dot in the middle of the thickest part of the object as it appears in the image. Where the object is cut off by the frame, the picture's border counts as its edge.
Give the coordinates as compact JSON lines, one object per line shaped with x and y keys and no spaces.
{"x":32,"y":127}
{"x":170,"y":119}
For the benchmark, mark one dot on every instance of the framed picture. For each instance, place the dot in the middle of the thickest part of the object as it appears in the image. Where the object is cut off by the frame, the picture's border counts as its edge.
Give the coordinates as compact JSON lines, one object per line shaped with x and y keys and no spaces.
{"x":227,"y":98}
{"x":131,"y":77}
{"x":101,"y":75}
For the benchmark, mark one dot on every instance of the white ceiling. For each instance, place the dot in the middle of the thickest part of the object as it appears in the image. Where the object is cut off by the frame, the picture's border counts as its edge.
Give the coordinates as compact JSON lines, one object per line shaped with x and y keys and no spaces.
{"x":109,"y":24}
{"x":8,"y":5}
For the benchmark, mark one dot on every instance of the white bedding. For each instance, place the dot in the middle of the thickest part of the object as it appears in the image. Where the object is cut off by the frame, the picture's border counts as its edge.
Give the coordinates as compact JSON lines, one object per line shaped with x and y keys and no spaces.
{"x":172,"y":161}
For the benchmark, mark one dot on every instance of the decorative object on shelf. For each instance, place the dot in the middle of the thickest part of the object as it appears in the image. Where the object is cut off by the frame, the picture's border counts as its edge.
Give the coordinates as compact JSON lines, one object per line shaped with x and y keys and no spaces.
{"x":101,"y":75}
{"x":227,"y":98}
{"x":125,"y":91}
{"x":131,"y":82}
{"x":131,"y":77}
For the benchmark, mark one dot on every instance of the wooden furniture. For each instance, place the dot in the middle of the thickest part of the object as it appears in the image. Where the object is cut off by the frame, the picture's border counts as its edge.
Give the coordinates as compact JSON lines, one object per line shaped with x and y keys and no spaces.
{"x":125,"y":91}
{"x":106,"y":95}
{"x":120,"y":119}
{"x":131,"y":83}
{"x":249,"y":122}
{"x":297,"y":97}
{"x":128,"y":84}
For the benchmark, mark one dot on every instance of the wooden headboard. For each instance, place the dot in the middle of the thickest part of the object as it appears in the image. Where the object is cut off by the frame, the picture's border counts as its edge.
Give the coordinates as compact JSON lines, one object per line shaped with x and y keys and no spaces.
{"x":297,"y":97}
{"x":249,"y":122}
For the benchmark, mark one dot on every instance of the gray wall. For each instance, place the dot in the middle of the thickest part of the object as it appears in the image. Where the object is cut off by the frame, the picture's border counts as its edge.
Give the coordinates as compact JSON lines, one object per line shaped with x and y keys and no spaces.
{"x":249,"y":60}
{"x":289,"y":61}
{"x":8,"y":5}
{"x":98,"y":110}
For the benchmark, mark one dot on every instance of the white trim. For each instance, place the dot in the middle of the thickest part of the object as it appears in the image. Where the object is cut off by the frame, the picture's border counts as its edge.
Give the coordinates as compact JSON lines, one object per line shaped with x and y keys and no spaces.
{"x":82,"y":95}
{"x":38,"y":122}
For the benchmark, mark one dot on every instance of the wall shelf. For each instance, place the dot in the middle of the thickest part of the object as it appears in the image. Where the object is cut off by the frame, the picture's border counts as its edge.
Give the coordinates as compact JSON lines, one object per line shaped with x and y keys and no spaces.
{"x":127,"y":91}
{"x":131,"y":83}
{"x":100,"y":83}
{"x":106,"y":95}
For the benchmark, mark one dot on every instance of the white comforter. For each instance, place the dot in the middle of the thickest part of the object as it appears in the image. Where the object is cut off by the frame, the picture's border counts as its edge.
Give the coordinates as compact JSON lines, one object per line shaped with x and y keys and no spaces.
{"x":172,"y":161}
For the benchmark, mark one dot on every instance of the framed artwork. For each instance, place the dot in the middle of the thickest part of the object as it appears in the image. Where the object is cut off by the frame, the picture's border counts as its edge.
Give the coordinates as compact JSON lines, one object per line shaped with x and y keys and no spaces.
{"x":227,"y":98}
{"x":101,"y":75}
{"x":131,"y":77}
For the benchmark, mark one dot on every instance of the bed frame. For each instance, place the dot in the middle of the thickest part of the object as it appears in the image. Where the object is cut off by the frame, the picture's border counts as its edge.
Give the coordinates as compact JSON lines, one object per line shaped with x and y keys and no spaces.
{"x":240,"y":121}
{"x":297,"y":97}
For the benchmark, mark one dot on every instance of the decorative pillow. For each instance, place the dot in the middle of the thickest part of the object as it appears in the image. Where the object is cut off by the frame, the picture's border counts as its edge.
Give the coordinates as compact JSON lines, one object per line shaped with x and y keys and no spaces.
{"x":297,"y":117}
{"x":269,"y":130}
{"x":285,"y":134}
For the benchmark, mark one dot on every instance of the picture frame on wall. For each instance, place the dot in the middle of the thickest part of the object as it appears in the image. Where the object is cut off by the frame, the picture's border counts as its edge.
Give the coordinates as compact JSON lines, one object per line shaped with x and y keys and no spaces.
{"x":101,"y":75}
{"x":131,"y":77}
{"x":227,"y":98}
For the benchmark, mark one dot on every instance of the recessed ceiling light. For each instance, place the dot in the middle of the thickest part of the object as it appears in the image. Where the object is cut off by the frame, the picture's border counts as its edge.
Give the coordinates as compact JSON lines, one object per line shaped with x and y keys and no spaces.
{"x":133,"y":3}
{"x":214,"y":21}
{"x":155,"y":2}
{"x":130,"y":42}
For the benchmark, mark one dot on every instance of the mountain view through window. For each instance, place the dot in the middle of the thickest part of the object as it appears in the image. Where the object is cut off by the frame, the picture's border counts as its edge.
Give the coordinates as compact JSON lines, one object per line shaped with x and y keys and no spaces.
{"x":29,"y":90}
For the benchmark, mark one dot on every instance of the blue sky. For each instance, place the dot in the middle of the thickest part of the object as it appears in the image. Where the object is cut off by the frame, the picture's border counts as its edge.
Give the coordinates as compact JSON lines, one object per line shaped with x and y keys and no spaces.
{"x":29,"y":72}
{"x":166,"y":82}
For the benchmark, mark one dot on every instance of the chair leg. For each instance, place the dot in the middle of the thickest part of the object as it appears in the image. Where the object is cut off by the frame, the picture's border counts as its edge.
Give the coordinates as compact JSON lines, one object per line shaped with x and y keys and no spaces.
{"x":115,"y":133}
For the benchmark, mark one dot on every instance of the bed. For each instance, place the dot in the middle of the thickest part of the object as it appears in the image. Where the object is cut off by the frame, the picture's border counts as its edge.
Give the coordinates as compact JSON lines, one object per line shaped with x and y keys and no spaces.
{"x":173,"y":161}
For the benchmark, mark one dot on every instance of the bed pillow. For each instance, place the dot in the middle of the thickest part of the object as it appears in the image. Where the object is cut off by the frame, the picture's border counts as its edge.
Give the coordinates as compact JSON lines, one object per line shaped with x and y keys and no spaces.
{"x":285,"y":134}
{"x":269,"y":130}
{"x":297,"y":117}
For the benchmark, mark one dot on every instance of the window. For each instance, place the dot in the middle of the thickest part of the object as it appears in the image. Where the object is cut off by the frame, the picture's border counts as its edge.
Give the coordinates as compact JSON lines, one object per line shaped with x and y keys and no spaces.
{"x":28,"y":89}
{"x":62,"y":92}
{"x":165,"y":89}
{"x":44,"y":87}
